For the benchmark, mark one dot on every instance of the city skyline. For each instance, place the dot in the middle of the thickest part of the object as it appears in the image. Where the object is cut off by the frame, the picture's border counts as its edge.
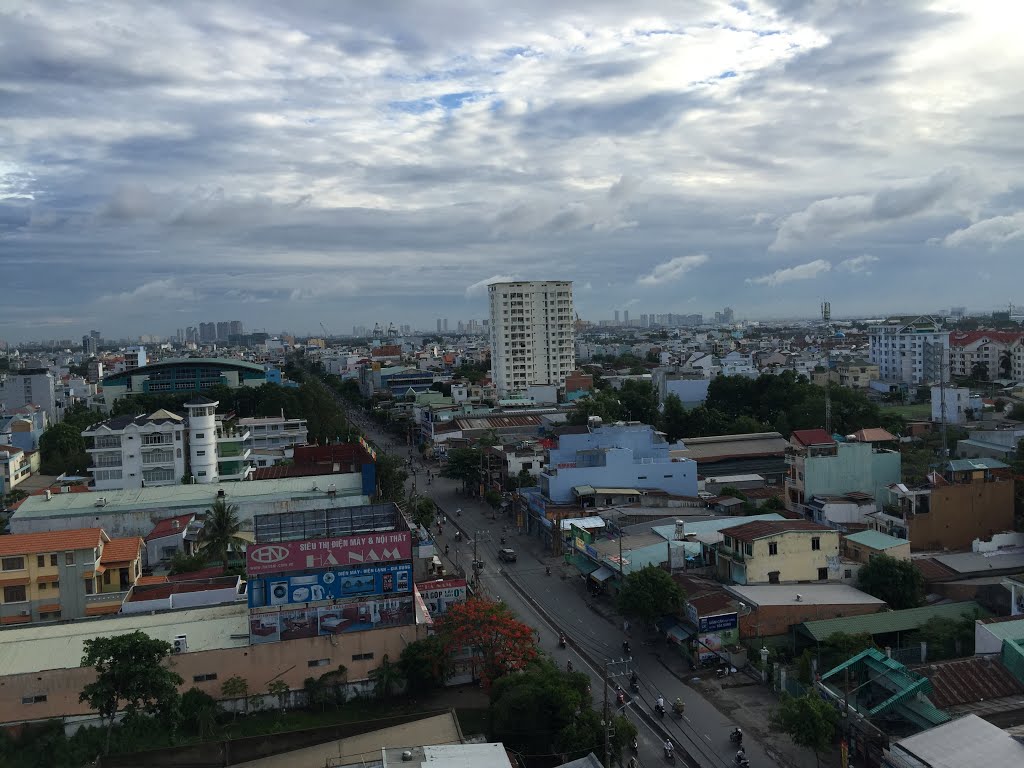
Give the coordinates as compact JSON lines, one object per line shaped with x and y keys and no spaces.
{"x":337,"y":164}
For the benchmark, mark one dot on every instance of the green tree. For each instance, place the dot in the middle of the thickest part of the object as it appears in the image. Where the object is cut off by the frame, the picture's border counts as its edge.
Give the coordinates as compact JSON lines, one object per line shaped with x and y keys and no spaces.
{"x":236,"y":687}
{"x":464,"y":464}
{"x":423,"y":511}
{"x":182,"y":563}
{"x":1016,"y":413}
{"x":640,"y":401}
{"x":424,"y":663}
{"x":391,"y":477}
{"x":280,"y":689}
{"x":846,"y":645}
{"x":220,"y":531}
{"x":317,"y":693}
{"x":129,"y":669}
{"x":62,"y":450}
{"x":386,"y":678}
{"x":897,"y":582}
{"x":199,"y":712}
{"x":649,"y":594}
{"x":604,"y":404}
{"x":493,"y":498}
{"x":809,"y":721}
{"x":673,"y":421}
{"x":524,"y":479}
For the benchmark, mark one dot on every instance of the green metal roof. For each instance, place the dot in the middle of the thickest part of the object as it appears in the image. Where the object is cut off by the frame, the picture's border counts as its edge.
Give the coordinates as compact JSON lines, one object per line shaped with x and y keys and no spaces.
{"x":876,"y":540}
{"x":889,"y":621}
{"x":1004,"y":630}
{"x":969,"y":465}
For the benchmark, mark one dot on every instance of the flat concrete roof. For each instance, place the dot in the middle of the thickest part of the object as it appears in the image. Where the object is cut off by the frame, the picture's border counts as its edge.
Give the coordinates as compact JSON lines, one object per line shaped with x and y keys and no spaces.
{"x":966,"y":741}
{"x":810,"y":594}
{"x":35,"y":648}
{"x":170,"y":496}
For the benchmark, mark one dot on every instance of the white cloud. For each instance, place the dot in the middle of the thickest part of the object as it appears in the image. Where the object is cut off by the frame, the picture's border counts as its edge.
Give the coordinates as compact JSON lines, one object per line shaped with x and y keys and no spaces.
{"x":857,"y":265}
{"x":992,"y":233}
{"x":672,"y":269}
{"x":807,"y":271}
{"x":166,"y":289}
{"x":479,"y":288}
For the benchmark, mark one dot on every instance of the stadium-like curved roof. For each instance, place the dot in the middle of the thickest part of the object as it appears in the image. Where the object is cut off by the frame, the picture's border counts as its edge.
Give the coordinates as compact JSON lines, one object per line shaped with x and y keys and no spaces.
{"x":185,"y":362}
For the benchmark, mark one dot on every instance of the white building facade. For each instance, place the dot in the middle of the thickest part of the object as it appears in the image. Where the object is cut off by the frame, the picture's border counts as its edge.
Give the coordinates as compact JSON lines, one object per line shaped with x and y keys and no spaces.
{"x":532,"y":334}
{"x":275,"y":433}
{"x":910,"y":350}
{"x":137,"y":451}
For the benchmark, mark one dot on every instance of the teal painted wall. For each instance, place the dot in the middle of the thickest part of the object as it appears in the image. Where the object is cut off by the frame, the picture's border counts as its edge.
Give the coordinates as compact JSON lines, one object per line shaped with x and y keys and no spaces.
{"x":855,"y":468}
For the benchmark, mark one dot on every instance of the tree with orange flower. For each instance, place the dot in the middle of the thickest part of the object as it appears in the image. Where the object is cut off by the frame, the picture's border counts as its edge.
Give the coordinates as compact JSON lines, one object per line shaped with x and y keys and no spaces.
{"x":498,"y":641}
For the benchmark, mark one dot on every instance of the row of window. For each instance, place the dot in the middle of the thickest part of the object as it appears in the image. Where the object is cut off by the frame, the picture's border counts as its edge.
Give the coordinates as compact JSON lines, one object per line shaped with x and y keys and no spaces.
{"x":17,"y":562}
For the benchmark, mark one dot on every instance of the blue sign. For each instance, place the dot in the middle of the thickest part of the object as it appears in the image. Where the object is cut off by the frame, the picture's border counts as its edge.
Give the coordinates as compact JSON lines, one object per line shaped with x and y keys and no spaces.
{"x":330,"y":585}
{"x":719,"y":623}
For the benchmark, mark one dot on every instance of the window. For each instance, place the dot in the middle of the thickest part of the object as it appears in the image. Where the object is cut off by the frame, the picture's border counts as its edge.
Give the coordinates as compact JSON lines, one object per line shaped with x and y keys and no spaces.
{"x":727,"y":541}
{"x":362,"y":656}
{"x":89,"y":587}
{"x":12,"y":564}
{"x":848,"y":574}
{"x":773,"y":577}
{"x":40,"y":561}
{"x":202,"y":474}
{"x":318,"y":662}
{"x":15,"y":594}
{"x":773,"y":548}
{"x":823,"y":574}
{"x":748,"y":548}
{"x":815,"y":543}
{"x":200,"y":435}
{"x":106,"y":577}
{"x":200,"y":453}
{"x":204,"y":678}
{"x":42,"y":586}
{"x":53,"y":561}
{"x":69,"y":558}
{"x":33,"y":699}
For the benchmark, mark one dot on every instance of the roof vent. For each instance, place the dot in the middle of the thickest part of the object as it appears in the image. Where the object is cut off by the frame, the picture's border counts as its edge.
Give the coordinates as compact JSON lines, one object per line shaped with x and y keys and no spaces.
{"x":799,"y":598}
{"x":407,"y":756}
{"x":101,"y":502}
{"x":220,"y":493}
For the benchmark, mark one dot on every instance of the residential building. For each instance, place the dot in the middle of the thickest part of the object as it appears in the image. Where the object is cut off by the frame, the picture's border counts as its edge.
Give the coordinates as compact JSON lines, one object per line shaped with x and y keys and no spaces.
{"x":135,"y":358}
{"x":505,"y":463}
{"x":1002,"y":444}
{"x":65,"y":574}
{"x":629,"y":455}
{"x":223,"y":330}
{"x":90,"y":345}
{"x":821,"y":466}
{"x":14,"y":467}
{"x":759,"y":453}
{"x":578,"y":384}
{"x":274,"y":433}
{"x":957,"y":403}
{"x":216,"y":449}
{"x":910,"y":350}
{"x":30,"y":386}
{"x":207,"y":333}
{"x":771,"y":610}
{"x":841,"y":511}
{"x":971,"y":499}
{"x":95,"y":372}
{"x":857,"y":374}
{"x":690,"y":388}
{"x":773,"y":552}
{"x":983,"y":354}
{"x":23,"y":427}
{"x":863,"y":545}
{"x":172,"y":535}
{"x":183,"y":375}
{"x":137,"y":451}
{"x":532,"y":334}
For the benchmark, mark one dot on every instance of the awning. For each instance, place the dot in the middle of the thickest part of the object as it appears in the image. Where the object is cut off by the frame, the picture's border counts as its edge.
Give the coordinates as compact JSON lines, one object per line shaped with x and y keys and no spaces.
{"x":584,"y":565}
{"x":602,"y":574}
{"x":678,"y":634}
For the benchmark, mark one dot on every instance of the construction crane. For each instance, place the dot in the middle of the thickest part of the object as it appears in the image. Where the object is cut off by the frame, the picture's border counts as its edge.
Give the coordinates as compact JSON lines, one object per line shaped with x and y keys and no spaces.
{"x":323,"y":328}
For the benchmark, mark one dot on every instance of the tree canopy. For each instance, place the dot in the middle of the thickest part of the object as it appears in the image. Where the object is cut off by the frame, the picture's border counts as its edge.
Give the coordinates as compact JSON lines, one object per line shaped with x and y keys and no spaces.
{"x":649,"y":594}
{"x":220,"y":532}
{"x":809,"y":720}
{"x":464,"y":464}
{"x":499,"y":641}
{"x":129,"y":671}
{"x":897,"y":582}
{"x":424,"y":663}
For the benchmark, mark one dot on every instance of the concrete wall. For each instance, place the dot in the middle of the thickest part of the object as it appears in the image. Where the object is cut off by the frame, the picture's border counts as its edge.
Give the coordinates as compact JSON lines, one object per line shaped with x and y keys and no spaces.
{"x":795,"y":561}
{"x":855,"y":467}
{"x":257,"y":664}
{"x":960,"y":514}
{"x":862,"y":554}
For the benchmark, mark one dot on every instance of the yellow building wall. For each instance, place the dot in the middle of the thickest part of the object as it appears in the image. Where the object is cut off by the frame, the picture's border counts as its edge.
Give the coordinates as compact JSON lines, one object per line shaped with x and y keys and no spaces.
{"x":795,"y":561}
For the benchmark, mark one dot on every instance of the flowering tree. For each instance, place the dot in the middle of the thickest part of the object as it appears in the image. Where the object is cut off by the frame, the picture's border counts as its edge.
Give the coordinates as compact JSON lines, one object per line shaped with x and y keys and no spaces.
{"x":499,"y":642}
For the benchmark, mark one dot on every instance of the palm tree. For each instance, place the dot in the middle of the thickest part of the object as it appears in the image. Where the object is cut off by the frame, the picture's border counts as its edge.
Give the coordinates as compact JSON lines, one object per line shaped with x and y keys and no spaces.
{"x":220,"y":531}
{"x":386,"y":677}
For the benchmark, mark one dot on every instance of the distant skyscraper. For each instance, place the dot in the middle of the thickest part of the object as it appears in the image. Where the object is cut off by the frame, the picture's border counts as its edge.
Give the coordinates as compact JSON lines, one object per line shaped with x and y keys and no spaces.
{"x":439,"y":325}
{"x":236,"y":328}
{"x":89,"y":345}
{"x":207,"y":332}
{"x":616,"y":317}
{"x":223,"y":330}
{"x":625,"y":317}
{"x":532,"y":334}
{"x":192,"y":334}
{"x":446,"y":324}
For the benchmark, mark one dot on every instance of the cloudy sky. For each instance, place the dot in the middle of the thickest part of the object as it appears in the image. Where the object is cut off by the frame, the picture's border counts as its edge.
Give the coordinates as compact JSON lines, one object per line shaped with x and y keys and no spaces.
{"x":289,"y":164}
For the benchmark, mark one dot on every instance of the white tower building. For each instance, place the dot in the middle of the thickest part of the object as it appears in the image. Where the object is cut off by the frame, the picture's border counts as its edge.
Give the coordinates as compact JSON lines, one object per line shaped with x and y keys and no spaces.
{"x":532,"y":330}
{"x":202,"y":439}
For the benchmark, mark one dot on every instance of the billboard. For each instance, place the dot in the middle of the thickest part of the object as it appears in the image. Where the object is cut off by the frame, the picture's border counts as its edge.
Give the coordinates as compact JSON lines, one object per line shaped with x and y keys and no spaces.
{"x":334,"y":552}
{"x":718,"y":623}
{"x":330,"y":585}
{"x":360,"y":616}
{"x":438,"y":595}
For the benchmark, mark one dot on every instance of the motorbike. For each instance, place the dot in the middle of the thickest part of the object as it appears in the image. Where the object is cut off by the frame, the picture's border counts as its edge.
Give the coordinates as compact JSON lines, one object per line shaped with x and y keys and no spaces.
{"x":677,"y":710}
{"x":635,"y":746}
{"x":741,"y":761}
{"x":561,"y":641}
{"x":625,"y":647}
{"x":634,"y":686}
{"x":669,"y":753}
{"x":458,"y":535}
{"x":723,"y":671}
{"x":736,"y":736}
{"x":548,"y":570}
{"x":660,"y":709}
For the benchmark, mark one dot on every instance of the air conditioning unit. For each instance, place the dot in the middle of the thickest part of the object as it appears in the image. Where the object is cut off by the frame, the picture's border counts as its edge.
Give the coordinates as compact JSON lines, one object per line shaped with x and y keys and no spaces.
{"x":100,"y":502}
{"x":26,"y":613}
{"x":180,"y":644}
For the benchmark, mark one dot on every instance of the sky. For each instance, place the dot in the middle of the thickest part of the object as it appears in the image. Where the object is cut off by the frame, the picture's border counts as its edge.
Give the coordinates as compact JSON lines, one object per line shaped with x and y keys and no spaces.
{"x":343,"y":163}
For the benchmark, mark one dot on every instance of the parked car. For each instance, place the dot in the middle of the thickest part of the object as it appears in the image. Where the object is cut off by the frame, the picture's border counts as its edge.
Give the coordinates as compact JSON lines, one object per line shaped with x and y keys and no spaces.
{"x":507,"y":555}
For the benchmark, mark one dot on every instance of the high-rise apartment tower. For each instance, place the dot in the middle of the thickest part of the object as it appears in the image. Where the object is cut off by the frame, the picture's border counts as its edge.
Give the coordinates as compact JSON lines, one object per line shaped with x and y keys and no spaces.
{"x":532,"y":334}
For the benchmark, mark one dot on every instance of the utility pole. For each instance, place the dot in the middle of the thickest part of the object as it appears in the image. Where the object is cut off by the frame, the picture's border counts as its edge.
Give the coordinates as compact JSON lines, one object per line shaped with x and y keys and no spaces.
{"x":607,"y":719}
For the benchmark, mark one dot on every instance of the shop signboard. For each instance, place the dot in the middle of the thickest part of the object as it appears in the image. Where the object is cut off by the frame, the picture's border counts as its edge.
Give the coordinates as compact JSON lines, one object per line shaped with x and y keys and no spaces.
{"x":330,"y":585}
{"x":438,"y":595}
{"x":272,"y":626}
{"x":329,"y":553}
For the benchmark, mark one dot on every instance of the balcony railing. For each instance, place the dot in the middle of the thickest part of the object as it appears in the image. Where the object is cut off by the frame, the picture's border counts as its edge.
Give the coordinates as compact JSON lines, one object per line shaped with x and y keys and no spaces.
{"x":158,"y":457}
{"x":101,"y":443}
{"x":148,"y":440}
{"x":106,"y":597}
{"x":102,"y":461}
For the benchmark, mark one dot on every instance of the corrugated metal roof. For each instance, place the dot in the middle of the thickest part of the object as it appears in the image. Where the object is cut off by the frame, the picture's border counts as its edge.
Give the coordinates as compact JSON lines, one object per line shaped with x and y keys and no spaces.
{"x":876,"y":540}
{"x":762,"y":528}
{"x":965,"y":681}
{"x":889,"y":621}
{"x":972,"y":465}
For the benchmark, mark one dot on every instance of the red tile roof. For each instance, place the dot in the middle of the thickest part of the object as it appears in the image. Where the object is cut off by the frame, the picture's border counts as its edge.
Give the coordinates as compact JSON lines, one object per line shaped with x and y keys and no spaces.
{"x":143,"y":581}
{"x":388,"y":350}
{"x":121,"y":550}
{"x":807,"y":437}
{"x":874,"y":435}
{"x":212,"y":572}
{"x":163,"y":591}
{"x":166,"y":527}
{"x":965,"y":681}
{"x":933,"y":570}
{"x":759,"y":529}
{"x":963,"y":338}
{"x":50,"y":541}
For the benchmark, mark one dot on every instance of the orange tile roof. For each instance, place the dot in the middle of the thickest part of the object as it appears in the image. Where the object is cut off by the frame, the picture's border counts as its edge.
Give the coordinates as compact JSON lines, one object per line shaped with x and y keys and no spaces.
{"x":144,"y":580}
{"x":20,"y":582}
{"x":50,"y":541}
{"x":121,"y":550}
{"x":102,"y":609}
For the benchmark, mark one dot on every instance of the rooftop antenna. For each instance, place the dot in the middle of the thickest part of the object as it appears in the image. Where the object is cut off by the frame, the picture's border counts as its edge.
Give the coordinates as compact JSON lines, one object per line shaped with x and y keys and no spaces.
{"x":826,"y":317}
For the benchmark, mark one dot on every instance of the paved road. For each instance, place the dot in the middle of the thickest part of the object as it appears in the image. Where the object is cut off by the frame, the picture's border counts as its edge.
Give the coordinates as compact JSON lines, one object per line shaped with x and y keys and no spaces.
{"x":560,"y":603}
